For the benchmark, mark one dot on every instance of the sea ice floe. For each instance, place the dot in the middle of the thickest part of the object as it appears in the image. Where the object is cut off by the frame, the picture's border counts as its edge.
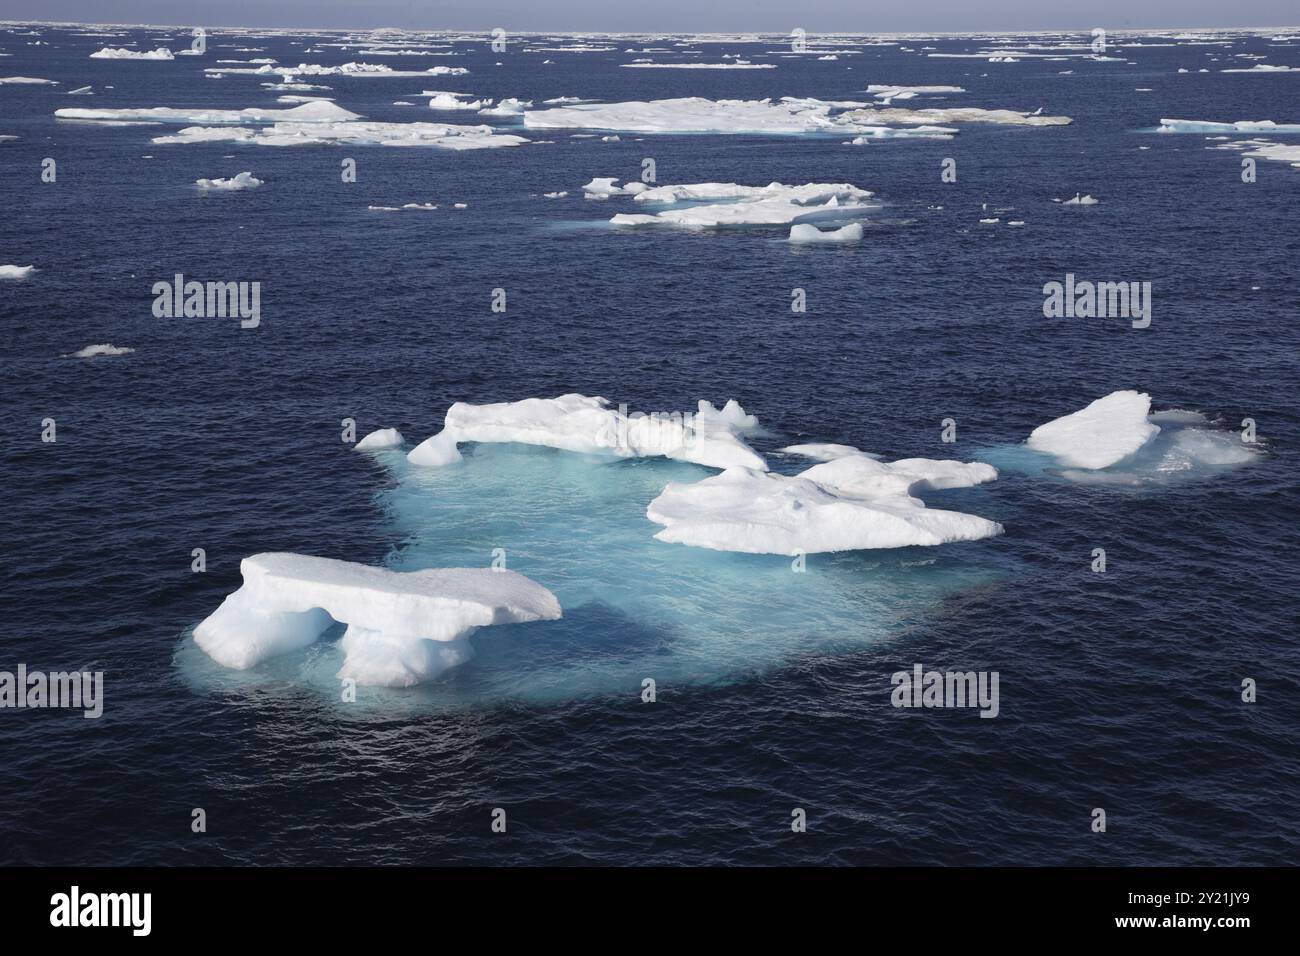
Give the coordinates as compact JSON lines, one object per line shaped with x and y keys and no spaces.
{"x":578,"y":423}
{"x":787,"y":116}
{"x":508,"y":107}
{"x":121,"y":53}
{"x":700,"y":66}
{"x":602,"y":187}
{"x":1263,"y":149}
{"x":718,"y":205}
{"x":403,"y":628}
{"x":95,"y":351}
{"x":849,"y":503}
{"x":315,"y":123}
{"x":314,"y":111}
{"x":368,"y":70}
{"x":16,"y":272}
{"x":806,"y":233}
{"x":244,"y":180}
{"x":1264,"y":69}
{"x":1080,"y":200}
{"x":1105,"y":432}
{"x":455,"y":101}
{"x":29,"y":81}
{"x":824,"y":451}
{"x":379,"y":439}
{"x":1240,"y":126}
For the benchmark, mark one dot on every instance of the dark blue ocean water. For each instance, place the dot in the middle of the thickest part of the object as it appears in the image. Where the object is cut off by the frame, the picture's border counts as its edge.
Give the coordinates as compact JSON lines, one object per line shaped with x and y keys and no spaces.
{"x":1119,"y":691}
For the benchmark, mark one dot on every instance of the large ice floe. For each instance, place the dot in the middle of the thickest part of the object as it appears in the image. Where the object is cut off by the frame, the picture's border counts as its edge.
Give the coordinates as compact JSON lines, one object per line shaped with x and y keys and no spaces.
{"x":786,"y":116}
{"x":849,"y":503}
{"x":1118,"y":440}
{"x":708,"y":436}
{"x":402,"y":628}
{"x":316,"y":123}
{"x":121,"y":53}
{"x":719,"y":205}
{"x":1240,"y":126}
{"x":364,"y":70}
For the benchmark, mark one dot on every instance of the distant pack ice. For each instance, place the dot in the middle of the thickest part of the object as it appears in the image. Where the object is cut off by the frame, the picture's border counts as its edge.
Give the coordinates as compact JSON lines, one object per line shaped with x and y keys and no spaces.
{"x":403,"y":627}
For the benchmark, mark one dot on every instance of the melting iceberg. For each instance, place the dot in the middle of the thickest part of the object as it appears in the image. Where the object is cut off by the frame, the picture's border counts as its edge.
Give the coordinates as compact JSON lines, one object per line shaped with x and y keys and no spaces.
{"x":806,"y":233}
{"x":16,"y":272}
{"x":1117,"y":440}
{"x":244,"y":180}
{"x":380,"y":438}
{"x":849,"y":503}
{"x":402,"y":628}
{"x":1107,"y":431}
{"x":716,"y":205}
{"x":1240,"y":126}
{"x":577,"y":423}
{"x":121,"y":53}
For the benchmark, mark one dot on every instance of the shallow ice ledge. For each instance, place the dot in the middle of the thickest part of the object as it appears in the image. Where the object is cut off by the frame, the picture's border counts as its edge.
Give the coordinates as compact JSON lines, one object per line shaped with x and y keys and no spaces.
{"x":849,"y":503}
{"x":588,"y":425}
{"x":403,"y":628}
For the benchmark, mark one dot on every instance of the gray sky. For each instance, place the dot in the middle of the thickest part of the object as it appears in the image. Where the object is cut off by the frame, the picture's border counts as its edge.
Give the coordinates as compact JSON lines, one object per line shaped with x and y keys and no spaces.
{"x":672,"y":15}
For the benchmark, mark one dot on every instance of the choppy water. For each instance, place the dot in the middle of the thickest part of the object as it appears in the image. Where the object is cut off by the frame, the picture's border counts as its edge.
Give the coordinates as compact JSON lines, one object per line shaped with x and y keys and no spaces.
{"x":1119,"y":690}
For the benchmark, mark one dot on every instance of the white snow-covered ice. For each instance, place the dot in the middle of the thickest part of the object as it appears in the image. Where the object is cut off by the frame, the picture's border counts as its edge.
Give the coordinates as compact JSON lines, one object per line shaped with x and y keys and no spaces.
{"x":379,"y":439}
{"x":587,"y":425}
{"x":1107,"y":431}
{"x":403,"y":628}
{"x":808,"y":234}
{"x":244,"y":180}
{"x":852,"y":502}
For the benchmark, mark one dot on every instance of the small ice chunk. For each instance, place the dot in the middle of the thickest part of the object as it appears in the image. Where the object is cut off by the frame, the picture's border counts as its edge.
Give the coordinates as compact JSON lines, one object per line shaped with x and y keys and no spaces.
{"x":435,"y":452}
{"x":808,"y":233}
{"x":1105,"y":432}
{"x":94,"y":351}
{"x":380,"y":439}
{"x":16,"y":272}
{"x":244,"y":180}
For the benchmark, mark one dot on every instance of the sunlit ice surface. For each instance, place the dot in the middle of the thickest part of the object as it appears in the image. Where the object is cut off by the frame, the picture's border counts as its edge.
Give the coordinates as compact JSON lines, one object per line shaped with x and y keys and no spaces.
{"x":634,"y":608}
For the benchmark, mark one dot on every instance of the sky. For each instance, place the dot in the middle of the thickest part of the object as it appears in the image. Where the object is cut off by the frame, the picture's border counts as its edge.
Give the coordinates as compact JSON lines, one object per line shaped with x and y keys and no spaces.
{"x":773,"y":16}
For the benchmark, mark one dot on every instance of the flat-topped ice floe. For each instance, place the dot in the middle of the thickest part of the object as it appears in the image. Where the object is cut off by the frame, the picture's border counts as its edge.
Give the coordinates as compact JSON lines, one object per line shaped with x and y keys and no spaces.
{"x":16,"y":272}
{"x":786,"y":116}
{"x":588,"y":425}
{"x":28,"y":81}
{"x":365,"y":70}
{"x":316,"y":111}
{"x":808,"y":234}
{"x":244,"y":180}
{"x":719,"y":205}
{"x":1239,"y":126}
{"x":1105,"y":432}
{"x":121,"y":53}
{"x":315,"y":123}
{"x":403,"y":628}
{"x":852,"y":502}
